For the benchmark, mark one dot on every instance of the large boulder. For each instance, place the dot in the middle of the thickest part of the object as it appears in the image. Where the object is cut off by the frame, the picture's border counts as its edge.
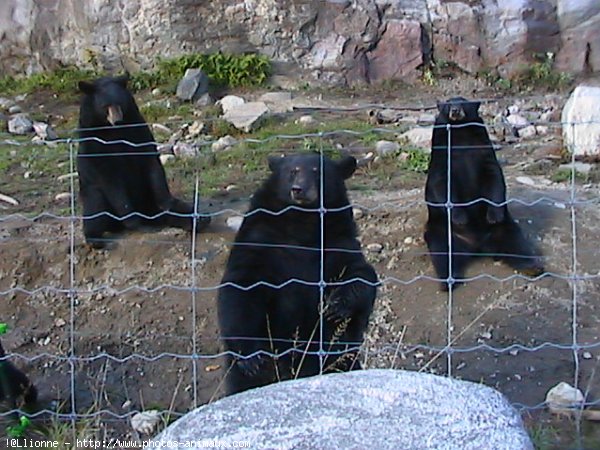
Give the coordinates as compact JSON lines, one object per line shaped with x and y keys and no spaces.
{"x":579,"y":22}
{"x":382,"y":409}
{"x":581,"y":121}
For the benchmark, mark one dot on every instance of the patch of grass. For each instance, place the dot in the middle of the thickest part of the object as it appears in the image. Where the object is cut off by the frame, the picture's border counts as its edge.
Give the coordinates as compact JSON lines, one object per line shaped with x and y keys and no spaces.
{"x":543,"y":436}
{"x":564,"y":176}
{"x":63,"y":80}
{"x":415,"y":160}
{"x":541,"y":74}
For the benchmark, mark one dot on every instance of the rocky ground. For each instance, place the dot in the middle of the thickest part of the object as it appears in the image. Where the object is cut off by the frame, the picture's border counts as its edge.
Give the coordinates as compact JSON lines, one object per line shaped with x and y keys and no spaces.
{"x":129,"y":316}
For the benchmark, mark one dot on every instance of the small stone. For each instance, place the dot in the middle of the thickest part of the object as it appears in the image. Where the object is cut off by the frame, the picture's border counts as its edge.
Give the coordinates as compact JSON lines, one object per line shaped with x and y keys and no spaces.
{"x":27,"y":175}
{"x":306,"y":120}
{"x":165,"y":158}
{"x":235,"y":222}
{"x":223,"y":143}
{"x":587,"y":355}
{"x":278,"y":102}
{"x":513,"y":352}
{"x":15,"y":109}
{"x":195,"y":128}
{"x":126,"y":405}
{"x":541,"y":130}
{"x":184,"y":150}
{"x":247,"y":116}
{"x":156,"y":92}
{"x":193,"y":84}
{"x":66,"y":176}
{"x":563,"y":396}
{"x":159,"y":127}
{"x":146,"y":422}
{"x":231,"y":187}
{"x":527,"y":132}
{"x":419,"y":137}
{"x":375,"y":248}
{"x":230,"y":102}
{"x":486,"y":335}
{"x":580,"y":167}
{"x":60,"y":322}
{"x":62,"y":197}
{"x":525,"y":180}
{"x":513,"y":109}
{"x":383,"y":148}
{"x":204,"y":100}
{"x":408,"y":240}
{"x":357,"y":213}
{"x":517,"y":121}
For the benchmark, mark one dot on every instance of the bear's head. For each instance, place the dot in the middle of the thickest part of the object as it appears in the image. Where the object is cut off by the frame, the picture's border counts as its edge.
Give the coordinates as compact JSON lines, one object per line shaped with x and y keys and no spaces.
{"x":107,"y":101}
{"x":458,"y":110}
{"x":297,"y":179}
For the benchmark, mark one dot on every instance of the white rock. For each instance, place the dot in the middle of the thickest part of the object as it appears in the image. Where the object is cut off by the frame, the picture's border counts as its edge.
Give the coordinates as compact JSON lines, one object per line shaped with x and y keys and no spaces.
{"x":375,"y":247}
{"x":386,"y":147}
{"x":161,"y":128}
{"x":306,"y":120}
{"x":517,"y":121}
{"x":165,"y":158}
{"x":67,"y":176}
{"x":44,"y":131}
{"x":156,"y":92}
{"x":513,"y":109}
{"x":527,"y":132}
{"x":195,"y":128}
{"x":6,"y":199}
{"x":15,"y":109}
{"x":541,"y":130}
{"x":563,"y":396}
{"x":230,"y":101}
{"x":526,"y":180}
{"x":357,"y":213}
{"x":20,"y":124}
{"x":419,"y":137}
{"x":223,"y":143}
{"x":235,"y":222}
{"x":408,"y":240}
{"x":62,"y":197}
{"x":581,"y":121}
{"x":246,"y":116}
{"x":587,"y":355}
{"x":146,"y":422}
{"x":379,"y":409}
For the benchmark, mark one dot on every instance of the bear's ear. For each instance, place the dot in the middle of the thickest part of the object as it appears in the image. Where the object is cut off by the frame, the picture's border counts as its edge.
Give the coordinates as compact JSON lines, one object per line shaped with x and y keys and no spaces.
{"x":440,"y":106}
{"x":346,"y":166}
{"x":123,"y":79}
{"x":275,"y":162}
{"x":86,"y":87}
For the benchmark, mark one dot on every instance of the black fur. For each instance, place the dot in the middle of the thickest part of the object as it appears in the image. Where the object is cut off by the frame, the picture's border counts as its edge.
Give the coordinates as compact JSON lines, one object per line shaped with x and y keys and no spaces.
{"x":15,"y":387}
{"x":121,"y":183}
{"x":276,"y":320}
{"x":475,"y":173}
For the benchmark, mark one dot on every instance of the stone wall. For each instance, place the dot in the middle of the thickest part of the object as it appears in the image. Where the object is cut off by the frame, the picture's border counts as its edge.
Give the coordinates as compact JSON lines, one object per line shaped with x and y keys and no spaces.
{"x":333,"y":41}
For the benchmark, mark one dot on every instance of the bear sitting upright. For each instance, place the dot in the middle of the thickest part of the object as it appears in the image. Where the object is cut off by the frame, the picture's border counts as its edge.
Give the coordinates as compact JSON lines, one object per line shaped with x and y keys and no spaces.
{"x":282,"y":244}
{"x":119,"y":178}
{"x":475,"y":176}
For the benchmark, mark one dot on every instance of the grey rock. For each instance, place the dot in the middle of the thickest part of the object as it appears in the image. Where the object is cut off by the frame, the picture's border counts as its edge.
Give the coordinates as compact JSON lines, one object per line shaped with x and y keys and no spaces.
{"x":383,"y":148}
{"x":223,"y":143}
{"x":204,"y":100}
{"x":6,"y":103}
{"x":20,"y":124}
{"x":419,"y":137}
{"x":580,"y":167}
{"x":235,"y":223}
{"x":517,"y":121}
{"x":382,"y":409}
{"x":161,"y":128}
{"x":193,"y":84}
{"x":15,"y":109}
{"x":278,"y":102}
{"x":246,"y":116}
{"x":184,"y":150}
{"x":306,"y":120}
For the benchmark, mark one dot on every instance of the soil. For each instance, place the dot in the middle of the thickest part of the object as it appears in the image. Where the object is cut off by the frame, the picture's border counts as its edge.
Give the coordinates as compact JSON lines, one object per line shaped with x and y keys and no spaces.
{"x":129,"y":317}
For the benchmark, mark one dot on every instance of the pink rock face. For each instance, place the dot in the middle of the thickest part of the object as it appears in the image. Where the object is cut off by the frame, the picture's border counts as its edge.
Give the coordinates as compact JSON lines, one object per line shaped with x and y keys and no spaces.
{"x":398,"y":53}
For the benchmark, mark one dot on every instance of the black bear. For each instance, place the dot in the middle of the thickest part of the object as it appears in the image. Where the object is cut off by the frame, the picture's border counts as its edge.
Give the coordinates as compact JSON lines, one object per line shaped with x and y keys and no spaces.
{"x":15,"y":387}
{"x":484,"y":226}
{"x":292,"y":243}
{"x":124,"y":180}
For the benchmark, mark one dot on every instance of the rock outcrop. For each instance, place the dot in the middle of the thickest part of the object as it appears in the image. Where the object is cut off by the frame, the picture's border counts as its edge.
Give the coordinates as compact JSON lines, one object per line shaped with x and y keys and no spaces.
{"x":331,"y":42}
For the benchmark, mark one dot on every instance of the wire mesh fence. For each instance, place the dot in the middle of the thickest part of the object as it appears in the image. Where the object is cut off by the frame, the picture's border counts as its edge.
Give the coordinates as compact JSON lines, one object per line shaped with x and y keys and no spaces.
{"x":109,"y":333}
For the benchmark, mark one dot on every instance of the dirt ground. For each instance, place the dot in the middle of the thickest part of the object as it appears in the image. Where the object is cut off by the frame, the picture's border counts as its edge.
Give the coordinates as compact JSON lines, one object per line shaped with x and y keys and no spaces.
{"x":130,"y":318}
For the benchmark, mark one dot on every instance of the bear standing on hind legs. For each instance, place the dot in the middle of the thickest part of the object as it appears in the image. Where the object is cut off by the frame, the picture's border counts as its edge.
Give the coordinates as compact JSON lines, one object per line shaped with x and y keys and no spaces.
{"x":118,"y":178}
{"x":485,"y":226}
{"x":283,"y":248}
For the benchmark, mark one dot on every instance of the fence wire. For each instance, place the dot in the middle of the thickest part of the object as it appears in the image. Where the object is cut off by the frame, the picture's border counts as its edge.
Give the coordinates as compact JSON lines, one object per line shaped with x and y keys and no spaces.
{"x":72,"y":291}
